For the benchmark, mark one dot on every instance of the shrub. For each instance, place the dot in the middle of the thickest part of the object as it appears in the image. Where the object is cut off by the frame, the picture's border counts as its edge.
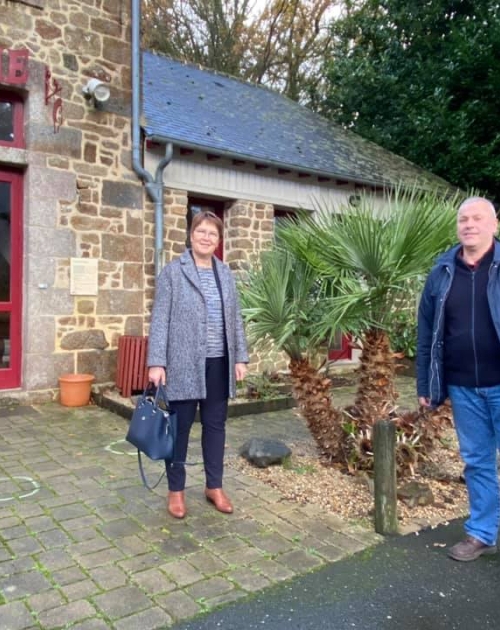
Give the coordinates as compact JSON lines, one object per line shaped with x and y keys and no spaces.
{"x":403,"y":333}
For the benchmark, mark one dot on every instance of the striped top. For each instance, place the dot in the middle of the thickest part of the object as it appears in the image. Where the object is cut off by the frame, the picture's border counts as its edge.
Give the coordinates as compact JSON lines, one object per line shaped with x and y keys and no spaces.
{"x":215,"y":321}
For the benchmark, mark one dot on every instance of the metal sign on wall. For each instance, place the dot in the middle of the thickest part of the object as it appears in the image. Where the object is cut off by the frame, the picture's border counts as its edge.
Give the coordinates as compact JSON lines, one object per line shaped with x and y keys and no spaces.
{"x":14,"y":66}
{"x":83,"y":276}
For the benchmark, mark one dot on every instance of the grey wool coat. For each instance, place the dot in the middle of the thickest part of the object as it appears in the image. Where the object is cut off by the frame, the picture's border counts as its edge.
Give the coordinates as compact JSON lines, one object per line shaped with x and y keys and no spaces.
{"x":178,"y":334}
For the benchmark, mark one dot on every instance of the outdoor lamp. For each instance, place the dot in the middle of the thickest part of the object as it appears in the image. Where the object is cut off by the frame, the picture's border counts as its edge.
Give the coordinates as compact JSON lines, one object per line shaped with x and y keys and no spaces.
{"x":97,"y":91}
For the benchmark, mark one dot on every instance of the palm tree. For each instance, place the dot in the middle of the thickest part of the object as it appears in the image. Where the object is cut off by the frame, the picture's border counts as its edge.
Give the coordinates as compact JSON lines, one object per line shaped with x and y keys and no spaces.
{"x":371,"y":254}
{"x":281,"y":299}
{"x":359,"y":263}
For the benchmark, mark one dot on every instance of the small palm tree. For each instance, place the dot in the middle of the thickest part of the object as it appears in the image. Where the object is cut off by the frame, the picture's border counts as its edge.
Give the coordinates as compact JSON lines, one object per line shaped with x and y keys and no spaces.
{"x":348,"y":272}
{"x":371,"y":254}
{"x":281,"y":300}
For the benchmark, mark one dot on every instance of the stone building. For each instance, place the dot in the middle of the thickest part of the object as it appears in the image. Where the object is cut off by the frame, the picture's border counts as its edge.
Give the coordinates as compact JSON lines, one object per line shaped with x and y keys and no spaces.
{"x":67,"y":193}
{"x":89,"y":211}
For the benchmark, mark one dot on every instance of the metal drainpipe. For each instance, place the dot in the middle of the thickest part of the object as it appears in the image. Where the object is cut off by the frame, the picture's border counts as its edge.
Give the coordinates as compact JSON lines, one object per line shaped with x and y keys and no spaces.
{"x":154,"y":186}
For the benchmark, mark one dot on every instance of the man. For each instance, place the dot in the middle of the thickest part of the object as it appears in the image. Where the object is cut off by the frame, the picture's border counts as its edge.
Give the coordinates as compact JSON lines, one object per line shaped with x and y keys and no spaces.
{"x":458,"y":355}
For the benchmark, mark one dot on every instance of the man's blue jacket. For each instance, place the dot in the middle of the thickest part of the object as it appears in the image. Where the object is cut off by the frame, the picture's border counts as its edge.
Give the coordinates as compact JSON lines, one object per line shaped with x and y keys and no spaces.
{"x":430,"y":372}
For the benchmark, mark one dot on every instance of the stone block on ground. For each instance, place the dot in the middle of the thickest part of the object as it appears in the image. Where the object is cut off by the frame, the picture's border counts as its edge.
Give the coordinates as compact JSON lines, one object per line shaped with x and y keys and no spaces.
{"x":263,"y":453}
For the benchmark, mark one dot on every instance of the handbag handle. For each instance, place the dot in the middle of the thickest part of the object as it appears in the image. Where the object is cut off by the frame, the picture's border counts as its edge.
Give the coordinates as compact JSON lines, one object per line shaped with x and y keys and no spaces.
{"x":143,"y":474}
{"x":160,"y":394}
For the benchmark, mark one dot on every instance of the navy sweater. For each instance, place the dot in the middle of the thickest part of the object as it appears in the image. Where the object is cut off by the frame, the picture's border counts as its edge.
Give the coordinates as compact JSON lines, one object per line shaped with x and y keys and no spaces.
{"x":471,"y":344}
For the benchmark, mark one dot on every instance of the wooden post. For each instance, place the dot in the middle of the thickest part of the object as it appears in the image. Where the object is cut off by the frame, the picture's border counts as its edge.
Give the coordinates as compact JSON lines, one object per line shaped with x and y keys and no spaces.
{"x":385,"y":485}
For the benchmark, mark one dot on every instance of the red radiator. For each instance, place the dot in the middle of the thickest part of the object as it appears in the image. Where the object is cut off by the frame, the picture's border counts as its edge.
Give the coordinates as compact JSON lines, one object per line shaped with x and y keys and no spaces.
{"x":132,"y":373}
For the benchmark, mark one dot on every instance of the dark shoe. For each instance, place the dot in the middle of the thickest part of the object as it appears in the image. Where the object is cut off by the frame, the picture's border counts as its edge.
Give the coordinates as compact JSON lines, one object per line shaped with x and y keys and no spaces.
{"x":470,"y":549}
{"x":176,"y":506}
{"x":219,"y":499}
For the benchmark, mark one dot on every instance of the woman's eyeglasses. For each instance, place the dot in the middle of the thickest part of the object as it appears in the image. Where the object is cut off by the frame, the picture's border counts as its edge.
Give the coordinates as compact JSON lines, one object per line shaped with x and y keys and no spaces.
{"x":213,"y":236}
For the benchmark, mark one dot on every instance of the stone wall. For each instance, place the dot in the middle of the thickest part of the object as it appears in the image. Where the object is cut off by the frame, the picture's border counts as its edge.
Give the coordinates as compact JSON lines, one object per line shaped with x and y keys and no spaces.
{"x":81,"y":197}
{"x":175,"y":205}
{"x":249,"y":228}
{"x":174,"y":222}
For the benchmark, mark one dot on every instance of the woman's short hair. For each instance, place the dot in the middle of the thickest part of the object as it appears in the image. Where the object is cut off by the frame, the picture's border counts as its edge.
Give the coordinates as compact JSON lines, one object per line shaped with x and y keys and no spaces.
{"x":210,"y":217}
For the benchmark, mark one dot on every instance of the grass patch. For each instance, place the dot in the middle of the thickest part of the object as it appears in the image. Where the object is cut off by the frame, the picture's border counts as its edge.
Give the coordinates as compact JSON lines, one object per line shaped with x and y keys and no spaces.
{"x":300,"y":469}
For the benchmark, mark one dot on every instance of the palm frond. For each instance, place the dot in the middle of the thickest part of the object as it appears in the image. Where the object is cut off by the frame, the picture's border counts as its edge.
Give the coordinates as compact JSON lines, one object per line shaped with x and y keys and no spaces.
{"x":368,"y":254}
{"x":351,"y":313}
{"x":280,"y":298}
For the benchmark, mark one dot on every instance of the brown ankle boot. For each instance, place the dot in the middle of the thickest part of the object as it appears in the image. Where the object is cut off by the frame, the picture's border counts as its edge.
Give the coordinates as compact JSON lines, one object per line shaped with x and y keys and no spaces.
{"x":176,"y":506}
{"x":219,"y":499}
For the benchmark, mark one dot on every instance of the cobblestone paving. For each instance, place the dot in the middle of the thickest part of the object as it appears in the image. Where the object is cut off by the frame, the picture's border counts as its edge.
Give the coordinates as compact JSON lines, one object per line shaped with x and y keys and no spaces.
{"x":84,"y":546}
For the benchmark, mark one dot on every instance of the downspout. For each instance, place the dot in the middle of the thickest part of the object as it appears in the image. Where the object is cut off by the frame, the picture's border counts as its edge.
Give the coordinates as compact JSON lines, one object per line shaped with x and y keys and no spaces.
{"x":154,"y":186}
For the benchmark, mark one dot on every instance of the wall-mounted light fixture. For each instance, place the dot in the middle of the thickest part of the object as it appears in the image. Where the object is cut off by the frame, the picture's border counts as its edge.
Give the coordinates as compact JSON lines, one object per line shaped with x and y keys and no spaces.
{"x":96,"y":91}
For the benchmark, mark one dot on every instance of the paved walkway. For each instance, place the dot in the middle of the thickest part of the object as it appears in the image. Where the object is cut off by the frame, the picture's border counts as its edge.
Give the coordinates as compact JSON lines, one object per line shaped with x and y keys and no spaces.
{"x":408,"y":583}
{"x":84,"y":546}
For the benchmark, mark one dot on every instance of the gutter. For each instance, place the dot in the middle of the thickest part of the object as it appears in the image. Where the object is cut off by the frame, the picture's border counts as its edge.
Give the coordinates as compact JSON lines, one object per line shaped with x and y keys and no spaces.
{"x":153,"y":185}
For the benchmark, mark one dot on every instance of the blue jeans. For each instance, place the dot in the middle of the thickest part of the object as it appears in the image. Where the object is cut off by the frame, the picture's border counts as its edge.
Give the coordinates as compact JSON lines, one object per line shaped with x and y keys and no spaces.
{"x":476,"y":413}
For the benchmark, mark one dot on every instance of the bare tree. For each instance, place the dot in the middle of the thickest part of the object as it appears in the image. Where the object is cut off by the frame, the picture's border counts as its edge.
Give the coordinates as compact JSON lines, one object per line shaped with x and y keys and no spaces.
{"x":291,"y":38}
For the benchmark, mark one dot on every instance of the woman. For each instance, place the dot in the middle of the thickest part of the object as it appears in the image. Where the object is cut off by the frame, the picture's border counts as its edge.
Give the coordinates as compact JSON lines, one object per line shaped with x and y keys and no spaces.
{"x":197,"y":348}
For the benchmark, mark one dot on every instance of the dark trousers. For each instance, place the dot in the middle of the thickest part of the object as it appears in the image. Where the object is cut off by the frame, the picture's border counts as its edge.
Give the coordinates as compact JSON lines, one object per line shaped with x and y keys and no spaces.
{"x":213,"y":414}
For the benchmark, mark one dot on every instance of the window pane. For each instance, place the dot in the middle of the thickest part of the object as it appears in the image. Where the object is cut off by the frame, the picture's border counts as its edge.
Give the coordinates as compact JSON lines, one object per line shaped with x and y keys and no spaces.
{"x":6,"y":122}
{"x":4,"y":340}
{"x":5,"y":241}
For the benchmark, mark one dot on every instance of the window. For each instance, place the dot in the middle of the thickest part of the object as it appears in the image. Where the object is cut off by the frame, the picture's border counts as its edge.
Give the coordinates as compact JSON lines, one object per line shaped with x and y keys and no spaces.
{"x":283,"y":214}
{"x":11,"y":121}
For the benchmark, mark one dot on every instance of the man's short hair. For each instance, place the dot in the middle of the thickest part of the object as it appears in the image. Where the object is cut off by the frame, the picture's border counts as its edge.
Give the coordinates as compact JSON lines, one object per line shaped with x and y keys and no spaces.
{"x":470,"y":200}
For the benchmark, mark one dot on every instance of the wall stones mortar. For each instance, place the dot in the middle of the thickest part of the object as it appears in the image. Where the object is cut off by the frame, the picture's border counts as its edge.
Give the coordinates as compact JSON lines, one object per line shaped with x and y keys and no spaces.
{"x":82,"y":198}
{"x":249,"y":228}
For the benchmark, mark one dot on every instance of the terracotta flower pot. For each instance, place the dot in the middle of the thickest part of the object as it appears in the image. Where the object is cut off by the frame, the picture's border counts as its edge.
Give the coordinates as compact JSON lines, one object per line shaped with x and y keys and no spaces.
{"x":75,"y":389}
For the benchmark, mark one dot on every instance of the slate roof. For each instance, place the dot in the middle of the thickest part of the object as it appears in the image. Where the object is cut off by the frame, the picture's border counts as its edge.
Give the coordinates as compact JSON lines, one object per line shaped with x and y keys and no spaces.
{"x":202,"y":109}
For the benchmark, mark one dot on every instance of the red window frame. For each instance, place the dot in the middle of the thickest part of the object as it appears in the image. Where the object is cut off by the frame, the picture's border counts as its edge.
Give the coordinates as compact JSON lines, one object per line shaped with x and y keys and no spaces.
{"x":17,"y":120}
{"x":344,"y":353}
{"x":10,"y":377}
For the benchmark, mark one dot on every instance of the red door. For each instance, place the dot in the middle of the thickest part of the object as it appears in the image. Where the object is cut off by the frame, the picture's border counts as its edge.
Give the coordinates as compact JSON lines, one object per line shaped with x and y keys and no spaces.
{"x":341,"y":348}
{"x":11,"y":288}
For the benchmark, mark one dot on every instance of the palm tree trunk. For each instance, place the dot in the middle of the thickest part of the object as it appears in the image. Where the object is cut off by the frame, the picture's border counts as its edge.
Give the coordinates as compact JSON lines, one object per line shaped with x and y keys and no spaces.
{"x":312,"y":391}
{"x":376,"y":395}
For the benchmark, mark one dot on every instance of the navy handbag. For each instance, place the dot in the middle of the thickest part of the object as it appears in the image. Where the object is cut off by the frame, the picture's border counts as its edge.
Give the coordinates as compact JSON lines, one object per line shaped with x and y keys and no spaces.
{"x":153,"y":428}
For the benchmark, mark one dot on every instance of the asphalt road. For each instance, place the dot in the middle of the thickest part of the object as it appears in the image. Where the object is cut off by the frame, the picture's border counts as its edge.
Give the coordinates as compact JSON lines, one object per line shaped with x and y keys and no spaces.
{"x":405,"y":583}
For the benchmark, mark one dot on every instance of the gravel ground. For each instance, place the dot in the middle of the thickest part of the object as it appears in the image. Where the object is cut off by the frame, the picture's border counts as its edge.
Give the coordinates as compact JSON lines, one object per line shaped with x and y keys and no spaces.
{"x":305,"y":479}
